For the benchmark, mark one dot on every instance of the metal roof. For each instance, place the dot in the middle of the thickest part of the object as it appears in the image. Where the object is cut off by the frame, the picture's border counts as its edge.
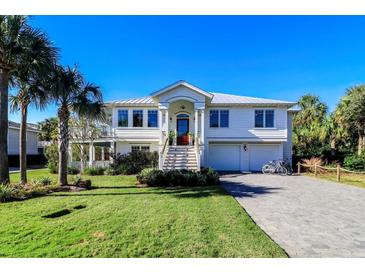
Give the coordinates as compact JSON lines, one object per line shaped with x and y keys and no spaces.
{"x":222,"y":98}
{"x":134,"y":101}
{"x":218,"y":99}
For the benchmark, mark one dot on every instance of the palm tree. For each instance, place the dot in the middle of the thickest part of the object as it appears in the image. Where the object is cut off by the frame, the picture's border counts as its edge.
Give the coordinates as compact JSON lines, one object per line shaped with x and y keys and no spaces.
{"x":72,"y":94}
{"x":13,"y":34}
{"x":30,"y":77}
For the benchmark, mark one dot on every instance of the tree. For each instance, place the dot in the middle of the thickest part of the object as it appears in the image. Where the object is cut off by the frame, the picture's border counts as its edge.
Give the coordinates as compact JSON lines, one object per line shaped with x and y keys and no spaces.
{"x":83,"y":130}
{"x":351,"y":111}
{"x":14,"y":31}
{"x":48,"y":130}
{"x":30,"y":78}
{"x":309,"y":126}
{"x":72,"y":94}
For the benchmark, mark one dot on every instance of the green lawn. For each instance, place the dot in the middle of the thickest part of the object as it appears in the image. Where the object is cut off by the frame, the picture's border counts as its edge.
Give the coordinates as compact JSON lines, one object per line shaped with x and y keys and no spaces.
{"x":346,"y":178}
{"x":122,"y":220}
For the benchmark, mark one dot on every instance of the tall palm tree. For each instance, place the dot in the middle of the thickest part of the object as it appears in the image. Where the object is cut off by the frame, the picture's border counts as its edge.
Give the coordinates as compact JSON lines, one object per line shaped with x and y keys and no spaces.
{"x":72,"y":94}
{"x":30,"y":78}
{"x":13,"y":33}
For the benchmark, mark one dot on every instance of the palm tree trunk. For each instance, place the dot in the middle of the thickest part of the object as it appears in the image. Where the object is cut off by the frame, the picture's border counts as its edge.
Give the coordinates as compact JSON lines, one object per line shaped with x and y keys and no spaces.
{"x":63,"y":140}
{"x":360,"y":143}
{"x":23,"y":144}
{"x":4,"y":161}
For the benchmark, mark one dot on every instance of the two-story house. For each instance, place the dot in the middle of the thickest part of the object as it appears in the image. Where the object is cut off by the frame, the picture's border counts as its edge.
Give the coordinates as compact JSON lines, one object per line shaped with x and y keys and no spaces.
{"x":223,"y":131}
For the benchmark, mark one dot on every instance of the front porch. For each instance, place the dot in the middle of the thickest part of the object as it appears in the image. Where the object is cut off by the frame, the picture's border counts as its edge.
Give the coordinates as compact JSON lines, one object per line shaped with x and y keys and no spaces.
{"x":182,"y":124}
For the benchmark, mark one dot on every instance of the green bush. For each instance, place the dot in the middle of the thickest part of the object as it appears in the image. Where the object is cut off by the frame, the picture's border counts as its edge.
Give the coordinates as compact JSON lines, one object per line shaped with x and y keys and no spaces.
{"x":51,"y":153}
{"x":112,"y":171}
{"x":134,"y":162}
{"x":53,"y":168}
{"x":5,"y":192}
{"x":43,"y":181}
{"x":355,"y":162}
{"x":72,"y":170}
{"x":94,"y":171}
{"x":155,"y":177}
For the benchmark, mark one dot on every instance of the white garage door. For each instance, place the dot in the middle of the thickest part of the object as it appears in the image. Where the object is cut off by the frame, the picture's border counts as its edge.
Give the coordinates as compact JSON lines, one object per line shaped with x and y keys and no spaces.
{"x":261,"y":154}
{"x":224,"y":157}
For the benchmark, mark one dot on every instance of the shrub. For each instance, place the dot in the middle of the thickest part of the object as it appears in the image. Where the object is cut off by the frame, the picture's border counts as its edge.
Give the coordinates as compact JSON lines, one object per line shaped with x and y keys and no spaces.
{"x":93,"y":171}
{"x":51,"y":153}
{"x":72,"y":170}
{"x":134,"y":162}
{"x":311,"y":162}
{"x":5,"y":192}
{"x":53,"y":169}
{"x":43,"y":181}
{"x":155,"y":177}
{"x":79,"y":182}
{"x":112,"y":171}
{"x":355,"y":162}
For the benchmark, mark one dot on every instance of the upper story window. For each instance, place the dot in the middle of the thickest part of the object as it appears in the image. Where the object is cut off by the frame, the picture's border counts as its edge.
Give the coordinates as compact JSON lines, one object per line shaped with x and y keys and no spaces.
{"x":138,"y":118}
{"x":219,"y":118}
{"x":152,"y":118}
{"x":123,"y":118}
{"x":264,"y":118}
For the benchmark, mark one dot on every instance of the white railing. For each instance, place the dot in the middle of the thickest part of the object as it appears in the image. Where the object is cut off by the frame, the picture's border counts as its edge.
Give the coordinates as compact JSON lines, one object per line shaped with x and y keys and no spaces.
{"x":197,"y":151}
{"x":103,"y":164}
{"x":163,"y":152}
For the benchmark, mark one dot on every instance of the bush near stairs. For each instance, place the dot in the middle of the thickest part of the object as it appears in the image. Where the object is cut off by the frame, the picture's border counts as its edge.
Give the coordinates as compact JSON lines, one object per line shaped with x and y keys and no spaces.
{"x":169,"y":178}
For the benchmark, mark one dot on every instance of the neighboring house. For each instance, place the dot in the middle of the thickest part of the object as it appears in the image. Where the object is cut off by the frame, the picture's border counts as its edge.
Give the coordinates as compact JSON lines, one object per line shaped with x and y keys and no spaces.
{"x":223,"y":131}
{"x":13,"y":139}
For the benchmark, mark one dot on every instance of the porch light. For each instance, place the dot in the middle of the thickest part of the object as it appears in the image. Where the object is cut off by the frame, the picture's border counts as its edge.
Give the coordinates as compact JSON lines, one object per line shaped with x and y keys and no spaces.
{"x":245,"y":147}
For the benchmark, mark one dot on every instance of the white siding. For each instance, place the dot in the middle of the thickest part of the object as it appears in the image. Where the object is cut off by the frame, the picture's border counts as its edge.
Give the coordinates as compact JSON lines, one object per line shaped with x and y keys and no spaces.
{"x":13,"y":142}
{"x":126,"y":147}
{"x":242,"y":125}
{"x":131,"y":132}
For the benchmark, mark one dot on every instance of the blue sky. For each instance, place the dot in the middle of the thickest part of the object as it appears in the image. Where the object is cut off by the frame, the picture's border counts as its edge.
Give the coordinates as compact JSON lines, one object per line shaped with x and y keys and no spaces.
{"x":279,"y":57}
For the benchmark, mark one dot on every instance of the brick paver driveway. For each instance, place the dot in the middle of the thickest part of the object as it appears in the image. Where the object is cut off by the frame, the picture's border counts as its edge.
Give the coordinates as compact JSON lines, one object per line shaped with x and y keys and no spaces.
{"x":305,"y":216}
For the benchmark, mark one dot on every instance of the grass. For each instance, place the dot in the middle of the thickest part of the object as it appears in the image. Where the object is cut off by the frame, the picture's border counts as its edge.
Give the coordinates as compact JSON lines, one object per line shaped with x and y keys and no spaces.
{"x":118,"y":219}
{"x":346,"y":178}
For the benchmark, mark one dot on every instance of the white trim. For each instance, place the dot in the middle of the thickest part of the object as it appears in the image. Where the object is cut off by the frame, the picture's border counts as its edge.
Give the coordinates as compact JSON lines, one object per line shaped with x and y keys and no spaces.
{"x":181,"y":83}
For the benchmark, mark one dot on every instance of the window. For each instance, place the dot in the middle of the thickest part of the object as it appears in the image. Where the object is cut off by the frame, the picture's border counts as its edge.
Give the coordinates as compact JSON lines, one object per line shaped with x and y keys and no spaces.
{"x":152,"y":118}
{"x":123,"y":118}
{"x":138,"y":118}
{"x":259,"y":118}
{"x":140,"y":148}
{"x":224,"y":118}
{"x":219,"y":118}
{"x":264,"y":118}
{"x":269,"y":118}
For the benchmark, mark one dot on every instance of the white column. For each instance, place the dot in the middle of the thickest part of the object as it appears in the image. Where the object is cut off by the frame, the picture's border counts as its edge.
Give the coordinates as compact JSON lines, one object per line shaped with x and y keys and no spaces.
{"x":91,"y":154}
{"x":167,"y":121}
{"x":70,"y":153}
{"x":202,"y":126}
{"x":196,"y":125}
{"x":160,"y":125}
{"x":102,"y":154}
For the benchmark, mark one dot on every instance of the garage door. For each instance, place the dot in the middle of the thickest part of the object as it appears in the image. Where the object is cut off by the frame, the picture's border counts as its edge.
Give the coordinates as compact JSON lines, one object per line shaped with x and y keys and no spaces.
{"x":261,"y":154}
{"x":224,"y":157}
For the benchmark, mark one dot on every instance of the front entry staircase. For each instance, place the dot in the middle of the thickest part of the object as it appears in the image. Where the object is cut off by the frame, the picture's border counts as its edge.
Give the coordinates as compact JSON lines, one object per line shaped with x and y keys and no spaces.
{"x":180,"y":157}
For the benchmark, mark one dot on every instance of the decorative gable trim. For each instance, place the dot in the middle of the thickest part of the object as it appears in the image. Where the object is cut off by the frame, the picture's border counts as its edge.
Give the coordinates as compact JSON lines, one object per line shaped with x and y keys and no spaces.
{"x":182,"y":83}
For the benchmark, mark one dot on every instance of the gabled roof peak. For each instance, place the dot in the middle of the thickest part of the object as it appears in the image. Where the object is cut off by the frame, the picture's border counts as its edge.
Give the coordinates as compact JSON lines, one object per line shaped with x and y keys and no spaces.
{"x":182,"y":83}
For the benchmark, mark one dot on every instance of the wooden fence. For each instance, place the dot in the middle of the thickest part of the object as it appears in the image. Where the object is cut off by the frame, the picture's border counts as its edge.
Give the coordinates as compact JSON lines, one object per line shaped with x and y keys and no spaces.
{"x":339,"y":170}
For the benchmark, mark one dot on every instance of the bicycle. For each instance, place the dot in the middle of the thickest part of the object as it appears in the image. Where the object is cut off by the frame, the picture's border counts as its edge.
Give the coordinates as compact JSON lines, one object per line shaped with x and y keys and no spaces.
{"x":276,"y":166}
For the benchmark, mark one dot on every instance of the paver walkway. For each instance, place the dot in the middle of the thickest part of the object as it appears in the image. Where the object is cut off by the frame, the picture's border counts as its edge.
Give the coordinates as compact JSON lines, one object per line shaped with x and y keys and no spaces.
{"x":305,"y":216}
